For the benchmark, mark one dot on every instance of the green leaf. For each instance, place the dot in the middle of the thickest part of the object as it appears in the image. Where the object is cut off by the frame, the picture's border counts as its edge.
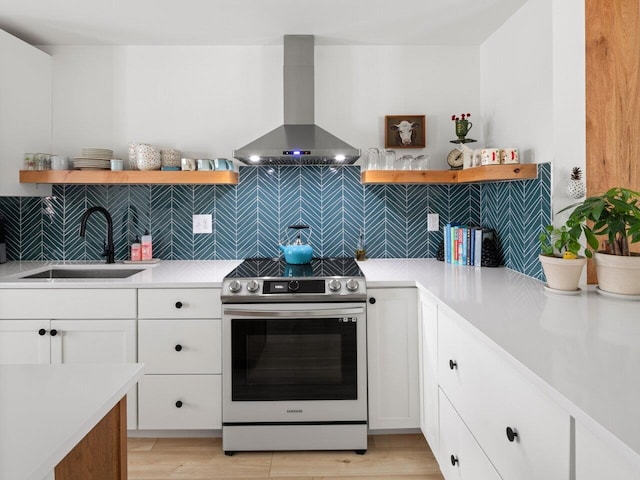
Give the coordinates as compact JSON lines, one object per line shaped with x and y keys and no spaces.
{"x":591,"y":239}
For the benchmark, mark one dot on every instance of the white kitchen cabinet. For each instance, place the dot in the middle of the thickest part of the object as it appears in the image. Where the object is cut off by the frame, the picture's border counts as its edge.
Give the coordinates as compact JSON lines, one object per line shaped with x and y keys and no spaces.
{"x":525,"y":434}
{"x":596,"y":460}
{"x":68,"y":303}
{"x":32,"y":330}
{"x":179,"y":341}
{"x":460,"y":456}
{"x":428,"y":336}
{"x":179,"y":303}
{"x":180,"y":402}
{"x":25,"y":111}
{"x":190,"y":346}
{"x":392,"y":352}
{"x":24,"y":341}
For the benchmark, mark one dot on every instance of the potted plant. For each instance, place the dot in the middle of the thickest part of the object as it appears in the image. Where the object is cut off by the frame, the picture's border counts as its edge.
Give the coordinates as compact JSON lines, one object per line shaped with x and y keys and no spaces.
{"x":560,"y":256}
{"x":616,"y":215}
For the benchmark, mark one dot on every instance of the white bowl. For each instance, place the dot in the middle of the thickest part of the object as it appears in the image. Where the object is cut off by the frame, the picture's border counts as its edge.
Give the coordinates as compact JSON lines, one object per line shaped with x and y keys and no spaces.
{"x":148,"y":157}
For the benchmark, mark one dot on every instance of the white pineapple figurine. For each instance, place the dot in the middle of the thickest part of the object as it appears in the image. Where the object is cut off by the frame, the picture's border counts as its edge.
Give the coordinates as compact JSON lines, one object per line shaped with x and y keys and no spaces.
{"x":576,"y":188}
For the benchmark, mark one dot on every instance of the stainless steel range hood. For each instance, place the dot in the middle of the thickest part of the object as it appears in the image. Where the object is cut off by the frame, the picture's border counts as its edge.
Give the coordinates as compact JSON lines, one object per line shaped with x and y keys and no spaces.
{"x":299,"y":141}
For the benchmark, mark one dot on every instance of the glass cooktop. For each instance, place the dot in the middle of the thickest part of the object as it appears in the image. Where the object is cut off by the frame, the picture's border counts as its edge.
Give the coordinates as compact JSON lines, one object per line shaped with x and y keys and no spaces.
{"x":278,"y":268}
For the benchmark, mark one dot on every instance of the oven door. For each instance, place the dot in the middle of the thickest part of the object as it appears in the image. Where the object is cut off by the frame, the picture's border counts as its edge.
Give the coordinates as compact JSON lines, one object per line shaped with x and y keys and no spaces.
{"x":294,"y":362}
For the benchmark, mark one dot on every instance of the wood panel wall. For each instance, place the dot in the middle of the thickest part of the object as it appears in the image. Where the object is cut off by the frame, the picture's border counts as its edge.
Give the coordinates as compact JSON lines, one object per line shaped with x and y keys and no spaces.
{"x":612,"y":40}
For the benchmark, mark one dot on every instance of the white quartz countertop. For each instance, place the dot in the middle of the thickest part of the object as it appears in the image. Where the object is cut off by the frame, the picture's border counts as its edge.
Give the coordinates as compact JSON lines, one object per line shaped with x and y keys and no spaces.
{"x":584,"y":349}
{"x":167,"y":274}
{"x":45,"y":410}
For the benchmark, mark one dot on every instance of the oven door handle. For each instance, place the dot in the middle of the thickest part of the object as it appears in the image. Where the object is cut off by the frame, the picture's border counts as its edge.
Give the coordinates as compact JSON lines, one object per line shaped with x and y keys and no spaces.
{"x":293,"y":313}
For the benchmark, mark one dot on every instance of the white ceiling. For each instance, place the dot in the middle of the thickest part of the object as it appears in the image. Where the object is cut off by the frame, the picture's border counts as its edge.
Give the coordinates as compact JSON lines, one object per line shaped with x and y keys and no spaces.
{"x":254,"y":22}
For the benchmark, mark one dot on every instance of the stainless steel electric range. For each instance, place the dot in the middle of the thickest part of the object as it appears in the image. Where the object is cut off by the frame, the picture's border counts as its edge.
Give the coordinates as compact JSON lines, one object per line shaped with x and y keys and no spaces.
{"x":294,"y":356}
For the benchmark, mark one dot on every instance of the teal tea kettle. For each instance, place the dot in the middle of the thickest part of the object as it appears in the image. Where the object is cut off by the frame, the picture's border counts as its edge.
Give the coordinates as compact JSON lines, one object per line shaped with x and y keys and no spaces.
{"x":298,"y":252}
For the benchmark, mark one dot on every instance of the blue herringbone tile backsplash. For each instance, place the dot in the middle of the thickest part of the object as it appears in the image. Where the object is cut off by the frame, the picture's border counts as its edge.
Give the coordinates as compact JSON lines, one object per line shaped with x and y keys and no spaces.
{"x":250,"y":219}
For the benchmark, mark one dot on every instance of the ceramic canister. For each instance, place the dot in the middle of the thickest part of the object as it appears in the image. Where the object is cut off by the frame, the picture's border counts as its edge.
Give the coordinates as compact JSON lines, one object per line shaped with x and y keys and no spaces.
{"x":490,"y":156}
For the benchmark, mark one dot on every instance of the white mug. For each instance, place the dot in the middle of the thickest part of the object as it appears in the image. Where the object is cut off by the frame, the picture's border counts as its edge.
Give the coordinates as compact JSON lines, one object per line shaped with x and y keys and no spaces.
{"x":509,"y":155}
{"x":204,"y":164}
{"x":116,"y":164}
{"x":188,"y":163}
{"x":490,"y":156}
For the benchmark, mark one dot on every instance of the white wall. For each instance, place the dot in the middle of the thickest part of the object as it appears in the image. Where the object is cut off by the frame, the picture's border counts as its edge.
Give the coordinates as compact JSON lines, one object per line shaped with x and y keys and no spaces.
{"x":517,"y":83}
{"x":533,"y":88}
{"x":208,"y":101}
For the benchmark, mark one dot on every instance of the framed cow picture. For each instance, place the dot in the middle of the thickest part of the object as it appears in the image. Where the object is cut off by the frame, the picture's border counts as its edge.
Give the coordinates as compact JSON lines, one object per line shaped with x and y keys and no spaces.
{"x":405,"y":131}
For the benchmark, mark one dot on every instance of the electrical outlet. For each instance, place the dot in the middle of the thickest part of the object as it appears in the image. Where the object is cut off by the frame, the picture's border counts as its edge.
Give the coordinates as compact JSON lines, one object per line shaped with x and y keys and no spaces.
{"x":433,"y":222}
{"x":202,"y":224}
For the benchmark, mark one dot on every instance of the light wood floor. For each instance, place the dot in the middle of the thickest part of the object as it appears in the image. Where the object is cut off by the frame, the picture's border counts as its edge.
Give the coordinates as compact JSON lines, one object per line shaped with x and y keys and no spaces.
{"x":397,"y":457}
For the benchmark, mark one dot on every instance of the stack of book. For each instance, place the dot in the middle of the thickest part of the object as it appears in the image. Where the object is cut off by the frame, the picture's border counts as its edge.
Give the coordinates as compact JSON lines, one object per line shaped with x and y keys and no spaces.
{"x":463,"y":244}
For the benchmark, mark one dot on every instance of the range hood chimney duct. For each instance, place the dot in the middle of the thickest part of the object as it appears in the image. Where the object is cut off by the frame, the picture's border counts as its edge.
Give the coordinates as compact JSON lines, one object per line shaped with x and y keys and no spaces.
{"x":299,"y":141}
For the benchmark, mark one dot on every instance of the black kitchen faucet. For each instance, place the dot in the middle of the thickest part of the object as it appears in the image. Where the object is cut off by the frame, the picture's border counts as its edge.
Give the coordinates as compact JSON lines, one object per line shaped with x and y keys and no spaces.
{"x":109,"y":250}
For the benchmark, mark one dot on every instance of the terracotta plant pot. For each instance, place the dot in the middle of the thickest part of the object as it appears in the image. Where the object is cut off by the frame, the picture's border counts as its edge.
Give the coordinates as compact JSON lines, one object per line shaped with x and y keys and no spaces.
{"x":562,"y":274}
{"x":618,"y":274}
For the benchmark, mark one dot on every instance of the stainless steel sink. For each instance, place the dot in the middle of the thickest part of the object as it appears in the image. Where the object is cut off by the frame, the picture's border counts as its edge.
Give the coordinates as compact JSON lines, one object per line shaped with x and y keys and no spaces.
{"x":58,"y":272}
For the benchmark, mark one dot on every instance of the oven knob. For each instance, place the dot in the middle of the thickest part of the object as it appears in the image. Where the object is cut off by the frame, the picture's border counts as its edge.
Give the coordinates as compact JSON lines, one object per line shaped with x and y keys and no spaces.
{"x":352,"y":285}
{"x":334,"y":285}
{"x":253,"y":286}
{"x":294,"y":285}
{"x":235,"y":286}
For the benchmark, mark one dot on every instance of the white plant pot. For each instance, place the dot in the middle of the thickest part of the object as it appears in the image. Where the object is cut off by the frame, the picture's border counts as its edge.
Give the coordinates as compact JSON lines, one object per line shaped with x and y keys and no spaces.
{"x":562,"y":274}
{"x":618,"y":274}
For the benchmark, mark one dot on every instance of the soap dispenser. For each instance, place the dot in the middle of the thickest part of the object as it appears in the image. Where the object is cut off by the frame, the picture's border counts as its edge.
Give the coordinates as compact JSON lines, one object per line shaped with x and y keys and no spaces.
{"x":146,"y":246}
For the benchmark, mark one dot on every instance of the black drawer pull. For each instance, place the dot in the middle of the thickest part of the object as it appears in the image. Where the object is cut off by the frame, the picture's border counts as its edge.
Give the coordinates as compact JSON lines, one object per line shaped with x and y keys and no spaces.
{"x":178,"y":305}
{"x":511,"y":434}
{"x":372,"y":300}
{"x":179,"y":404}
{"x":42,"y":331}
{"x":178,"y":347}
{"x":453,"y":365}
{"x":454,"y":460}
{"x":53,"y":332}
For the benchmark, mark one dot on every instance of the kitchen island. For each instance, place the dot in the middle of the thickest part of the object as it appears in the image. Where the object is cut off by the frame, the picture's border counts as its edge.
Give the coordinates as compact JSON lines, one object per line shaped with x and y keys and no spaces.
{"x":47,"y":411}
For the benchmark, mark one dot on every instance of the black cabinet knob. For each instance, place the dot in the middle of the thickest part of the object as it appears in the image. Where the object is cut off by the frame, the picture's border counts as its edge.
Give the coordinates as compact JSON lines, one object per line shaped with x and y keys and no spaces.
{"x":178,"y":347}
{"x":179,"y":404}
{"x":178,"y":305}
{"x":453,"y":365}
{"x":511,"y":434}
{"x":372,"y":300}
{"x":454,"y":460}
{"x":42,"y":331}
{"x":53,"y":332}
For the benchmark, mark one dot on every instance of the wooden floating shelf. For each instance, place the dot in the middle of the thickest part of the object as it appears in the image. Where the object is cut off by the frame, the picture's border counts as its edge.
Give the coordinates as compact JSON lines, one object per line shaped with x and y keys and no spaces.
{"x":129,"y":177}
{"x":487,"y":173}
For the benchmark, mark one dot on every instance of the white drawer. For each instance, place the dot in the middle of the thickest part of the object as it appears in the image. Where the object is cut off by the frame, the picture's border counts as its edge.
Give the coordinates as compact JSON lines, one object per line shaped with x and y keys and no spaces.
{"x":491,"y":395}
{"x":200,"y":407}
{"x":460,"y":457}
{"x":180,"y":346}
{"x":179,"y":303}
{"x":67,"y":303}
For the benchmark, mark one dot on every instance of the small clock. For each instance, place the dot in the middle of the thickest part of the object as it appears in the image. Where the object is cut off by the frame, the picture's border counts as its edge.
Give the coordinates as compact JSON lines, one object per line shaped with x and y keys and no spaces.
{"x":455,"y":159}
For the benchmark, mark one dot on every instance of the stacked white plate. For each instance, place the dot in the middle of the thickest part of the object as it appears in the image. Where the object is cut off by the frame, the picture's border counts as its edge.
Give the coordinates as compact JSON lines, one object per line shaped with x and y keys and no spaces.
{"x":93,"y":159}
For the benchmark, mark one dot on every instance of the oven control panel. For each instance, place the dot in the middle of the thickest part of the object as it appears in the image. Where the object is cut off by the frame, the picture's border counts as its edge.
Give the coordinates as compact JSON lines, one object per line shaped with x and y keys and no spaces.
{"x":254,"y":289}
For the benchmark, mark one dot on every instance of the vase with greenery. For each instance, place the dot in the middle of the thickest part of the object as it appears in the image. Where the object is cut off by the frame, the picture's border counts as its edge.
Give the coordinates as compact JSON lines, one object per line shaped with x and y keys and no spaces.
{"x":560,"y":256}
{"x":614,"y":215}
